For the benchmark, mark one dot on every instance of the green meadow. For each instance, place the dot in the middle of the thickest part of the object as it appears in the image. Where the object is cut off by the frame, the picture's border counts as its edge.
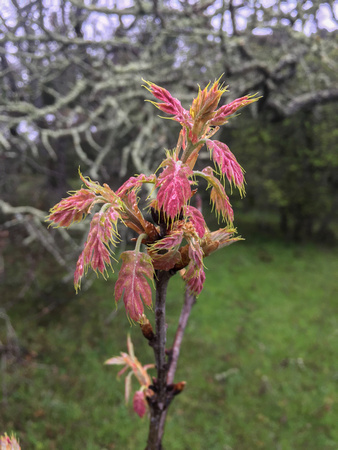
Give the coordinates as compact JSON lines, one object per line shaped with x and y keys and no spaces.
{"x":259,"y":358}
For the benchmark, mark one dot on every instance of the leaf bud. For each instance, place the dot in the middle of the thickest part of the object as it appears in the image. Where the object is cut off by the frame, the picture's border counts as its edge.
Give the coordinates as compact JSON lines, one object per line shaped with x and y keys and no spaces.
{"x":178,"y":387}
{"x":147,"y":330}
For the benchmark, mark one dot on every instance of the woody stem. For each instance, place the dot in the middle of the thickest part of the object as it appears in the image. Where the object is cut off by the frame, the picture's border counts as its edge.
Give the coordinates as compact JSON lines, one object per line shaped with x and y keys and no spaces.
{"x":188,"y":151}
{"x":159,"y":404}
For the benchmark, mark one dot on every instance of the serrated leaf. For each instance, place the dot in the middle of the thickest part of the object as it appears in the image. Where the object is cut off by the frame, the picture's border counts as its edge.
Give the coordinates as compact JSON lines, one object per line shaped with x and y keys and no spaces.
{"x":194,"y":275}
{"x":134,"y":183}
{"x":103,"y":191}
{"x":174,"y":187}
{"x":164,"y":253}
{"x":96,"y":252}
{"x":72,"y":209}
{"x":132,"y":284}
{"x":222,"y":114}
{"x":227,"y":163}
{"x":218,"y":195}
{"x":221,"y":203}
{"x":204,"y":105}
{"x":195,"y":278}
{"x":173,"y":239}
{"x":195,"y":252}
{"x":170,"y":105}
{"x":196,"y":218}
{"x":132,"y":216}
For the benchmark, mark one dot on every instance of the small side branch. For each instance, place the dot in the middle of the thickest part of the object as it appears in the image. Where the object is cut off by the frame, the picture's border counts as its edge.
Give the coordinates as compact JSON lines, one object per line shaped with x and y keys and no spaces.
{"x":189,"y":301}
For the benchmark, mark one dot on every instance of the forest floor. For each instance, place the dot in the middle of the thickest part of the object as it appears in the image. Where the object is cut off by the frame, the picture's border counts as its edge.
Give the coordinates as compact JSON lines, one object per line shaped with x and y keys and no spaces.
{"x":259,"y":358}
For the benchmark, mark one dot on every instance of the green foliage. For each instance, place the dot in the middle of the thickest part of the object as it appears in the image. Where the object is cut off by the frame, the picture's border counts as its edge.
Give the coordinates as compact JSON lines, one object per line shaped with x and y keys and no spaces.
{"x":259,"y":356}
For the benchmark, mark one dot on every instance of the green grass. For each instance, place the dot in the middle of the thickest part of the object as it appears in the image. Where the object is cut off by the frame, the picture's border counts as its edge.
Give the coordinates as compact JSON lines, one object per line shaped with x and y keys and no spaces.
{"x":259,"y":358}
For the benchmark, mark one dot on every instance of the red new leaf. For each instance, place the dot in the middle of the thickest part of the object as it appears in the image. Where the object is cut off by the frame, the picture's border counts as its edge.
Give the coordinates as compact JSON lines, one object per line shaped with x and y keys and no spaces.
{"x":170,"y":104}
{"x":169,"y":255}
{"x":221,"y":202}
{"x":9,"y":443}
{"x":134,"y":183}
{"x":172,"y":240}
{"x":195,"y":252}
{"x":195,"y":278}
{"x":196,"y":218}
{"x":132,"y":284}
{"x":96,"y":252}
{"x":194,"y":275}
{"x":174,"y":187}
{"x":227,"y":163}
{"x":218,"y":195}
{"x":222,"y":114}
{"x":139,"y":403}
{"x":72,"y":209}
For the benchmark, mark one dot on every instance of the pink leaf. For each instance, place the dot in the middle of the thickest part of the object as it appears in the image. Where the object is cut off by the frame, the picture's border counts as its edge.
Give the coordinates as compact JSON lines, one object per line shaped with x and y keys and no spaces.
{"x":222,"y":114}
{"x":173,"y":239}
{"x":197,"y":219}
{"x":132,"y":284}
{"x":72,"y":209}
{"x":218,"y":195}
{"x":103,"y":191}
{"x":96,"y":252}
{"x":195,"y":275}
{"x":170,"y":104}
{"x":195,"y":278}
{"x":135,"y":183}
{"x":164,"y":253}
{"x":174,"y":187}
{"x":221,"y":203}
{"x":227,"y":163}
{"x":139,"y":403}
{"x":195,"y":252}
{"x":9,"y":443}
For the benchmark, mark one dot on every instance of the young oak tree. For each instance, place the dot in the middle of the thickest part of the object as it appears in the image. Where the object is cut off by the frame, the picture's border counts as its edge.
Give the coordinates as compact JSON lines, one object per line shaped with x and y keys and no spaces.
{"x":176,"y":240}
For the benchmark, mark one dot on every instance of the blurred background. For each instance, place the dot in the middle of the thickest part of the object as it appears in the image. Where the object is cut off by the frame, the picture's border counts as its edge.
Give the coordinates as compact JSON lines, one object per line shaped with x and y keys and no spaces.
{"x":260,"y":353}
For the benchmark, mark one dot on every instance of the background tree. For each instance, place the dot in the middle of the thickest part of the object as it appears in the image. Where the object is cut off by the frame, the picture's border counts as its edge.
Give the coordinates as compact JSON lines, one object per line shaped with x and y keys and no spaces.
{"x":71,"y":95}
{"x":70,"y":81}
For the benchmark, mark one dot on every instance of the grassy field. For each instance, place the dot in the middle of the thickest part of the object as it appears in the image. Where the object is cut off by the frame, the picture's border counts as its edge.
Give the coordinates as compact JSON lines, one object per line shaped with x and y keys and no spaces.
{"x":259,"y":357}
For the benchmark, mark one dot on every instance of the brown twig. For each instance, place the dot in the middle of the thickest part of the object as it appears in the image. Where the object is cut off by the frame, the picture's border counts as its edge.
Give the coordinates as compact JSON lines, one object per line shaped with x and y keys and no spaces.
{"x":164,"y":387}
{"x":159,"y":402}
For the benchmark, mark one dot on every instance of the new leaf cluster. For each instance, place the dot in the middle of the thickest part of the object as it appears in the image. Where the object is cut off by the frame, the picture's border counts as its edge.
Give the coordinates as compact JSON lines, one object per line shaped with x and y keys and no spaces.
{"x":177,"y":239}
